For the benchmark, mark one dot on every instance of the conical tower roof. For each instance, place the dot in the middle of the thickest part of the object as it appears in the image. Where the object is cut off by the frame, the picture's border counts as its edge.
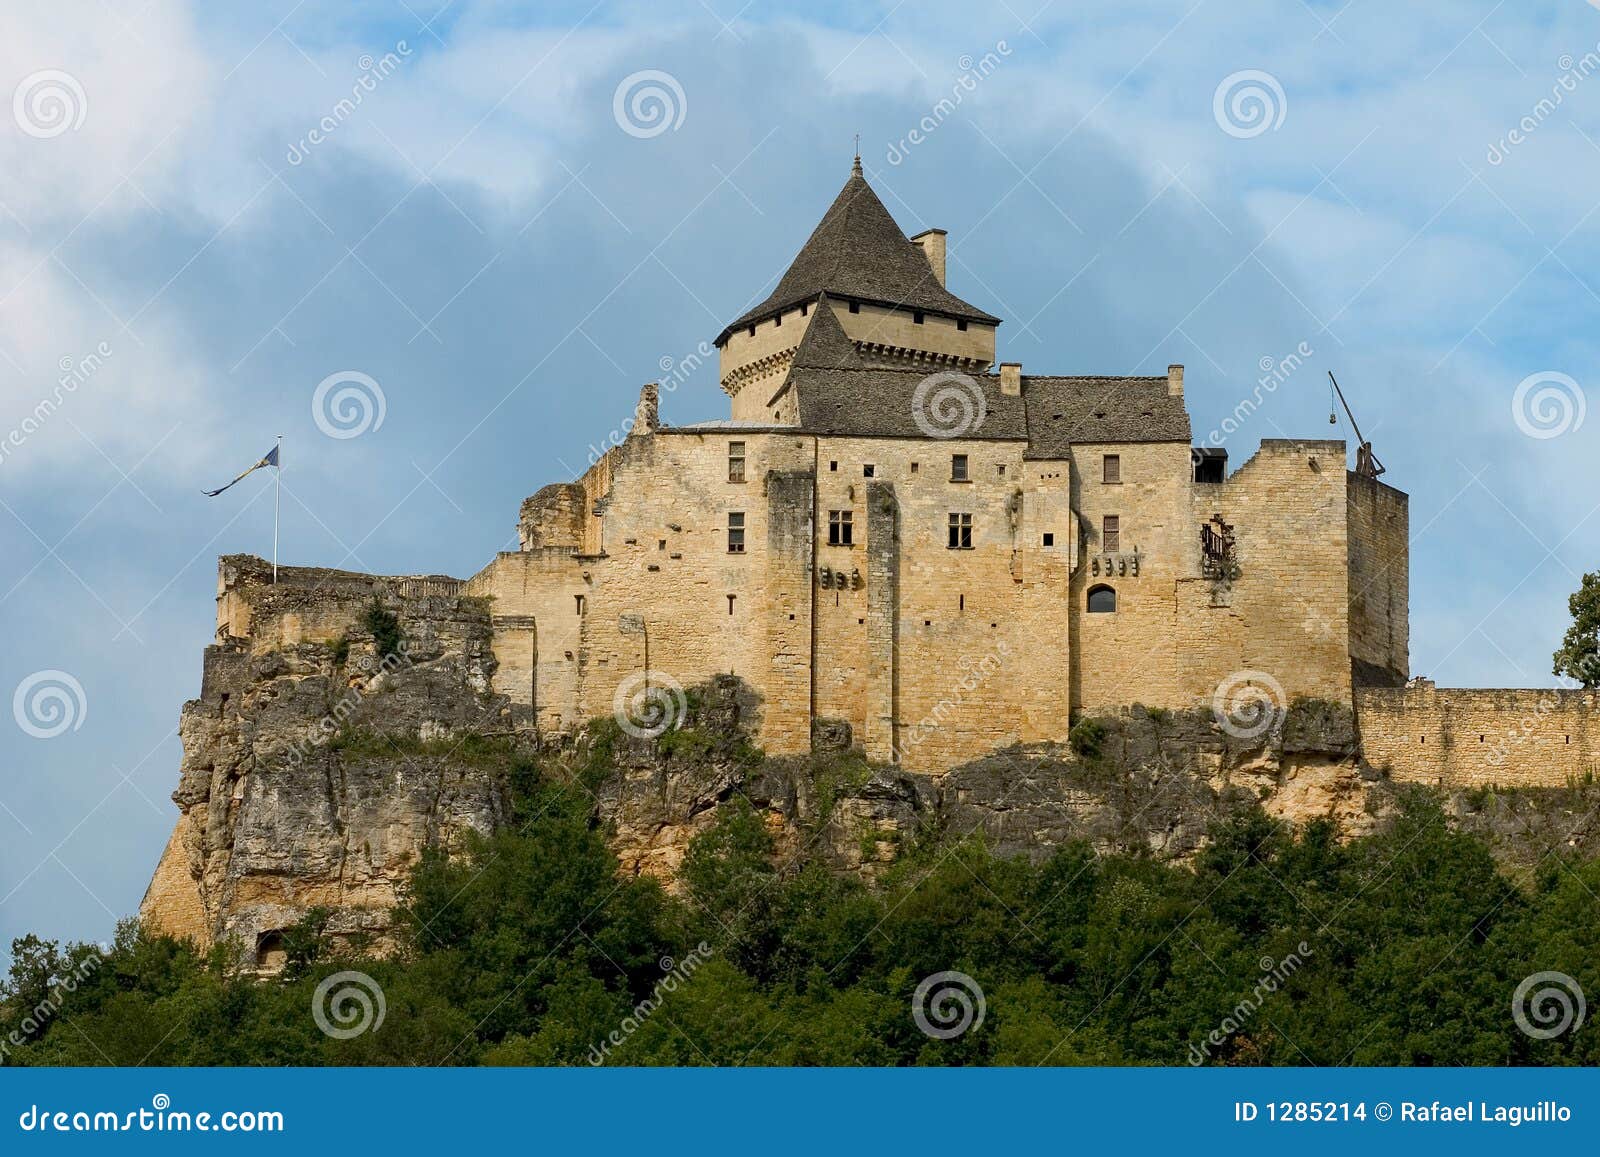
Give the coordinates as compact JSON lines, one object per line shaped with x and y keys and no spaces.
{"x":858,"y":252}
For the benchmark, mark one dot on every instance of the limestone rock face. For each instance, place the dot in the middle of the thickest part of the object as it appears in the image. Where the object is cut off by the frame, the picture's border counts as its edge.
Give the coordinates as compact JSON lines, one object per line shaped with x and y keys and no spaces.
{"x":282,"y":813}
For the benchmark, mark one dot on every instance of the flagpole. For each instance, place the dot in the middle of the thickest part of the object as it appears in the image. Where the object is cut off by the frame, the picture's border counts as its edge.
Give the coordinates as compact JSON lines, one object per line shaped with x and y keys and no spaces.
{"x":277,"y":500}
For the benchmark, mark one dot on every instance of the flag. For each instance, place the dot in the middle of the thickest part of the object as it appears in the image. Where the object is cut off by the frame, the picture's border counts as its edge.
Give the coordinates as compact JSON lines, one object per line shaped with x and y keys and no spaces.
{"x":271,"y":459}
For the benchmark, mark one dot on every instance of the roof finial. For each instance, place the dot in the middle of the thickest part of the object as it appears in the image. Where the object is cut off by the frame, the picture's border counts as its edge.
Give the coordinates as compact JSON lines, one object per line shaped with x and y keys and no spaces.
{"x":855,"y":166}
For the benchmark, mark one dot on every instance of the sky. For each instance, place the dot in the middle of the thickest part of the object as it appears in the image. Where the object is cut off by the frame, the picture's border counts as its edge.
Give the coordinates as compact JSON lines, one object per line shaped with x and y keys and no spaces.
{"x":438,"y":247}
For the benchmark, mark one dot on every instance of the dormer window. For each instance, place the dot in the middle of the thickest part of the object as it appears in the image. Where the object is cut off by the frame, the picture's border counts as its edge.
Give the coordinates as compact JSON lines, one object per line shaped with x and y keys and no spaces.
{"x":855,"y":307}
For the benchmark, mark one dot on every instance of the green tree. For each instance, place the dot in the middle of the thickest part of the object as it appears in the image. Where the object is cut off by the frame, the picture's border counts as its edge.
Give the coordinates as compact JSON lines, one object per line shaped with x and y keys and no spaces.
{"x":1578,"y":657}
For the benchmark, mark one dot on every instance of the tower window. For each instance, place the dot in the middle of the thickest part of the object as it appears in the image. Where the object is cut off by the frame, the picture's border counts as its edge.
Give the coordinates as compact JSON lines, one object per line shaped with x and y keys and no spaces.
{"x":855,"y":307}
{"x":833,"y":466}
{"x":958,"y":468}
{"x":961,"y":324}
{"x":1111,"y":469}
{"x":736,"y":532}
{"x":730,"y":603}
{"x":1049,"y":538}
{"x":582,"y":603}
{"x":777,"y":321}
{"x":1102,"y":600}
{"x":1110,"y":533}
{"x":960,"y":531}
{"x":841,"y":528}
{"x":917,"y":318}
{"x":913,"y":467}
{"x":868,"y":470}
{"x":752,"y":331}
{"x":804,"y":307}
{"x":735,"y":461}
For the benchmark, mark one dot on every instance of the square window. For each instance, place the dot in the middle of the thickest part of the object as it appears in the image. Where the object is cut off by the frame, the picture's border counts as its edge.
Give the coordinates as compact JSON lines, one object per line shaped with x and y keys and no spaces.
{"x":1110,"y":533}
{"x":841,"y":528}
{"x":961,"y":324}
{"x":917,"y":318}
{"x":913,"y":468}
{"x":736,"y":532}
{"x":1001,"y":469}
{"x":958,"y":468}
{"x":735,"y":461}
{"x":833,"y":466}
{"x":1049,"y":538}
{"x":868,"y":471}
{"x":855,"y":307}
{"x":1111,"y":469}
{"x":960,"y":531}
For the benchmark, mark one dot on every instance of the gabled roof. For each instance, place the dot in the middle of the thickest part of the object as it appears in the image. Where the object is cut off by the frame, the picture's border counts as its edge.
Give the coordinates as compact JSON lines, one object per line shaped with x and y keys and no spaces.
{"x":1064,"y":411}
{"x":857,"y":251}
{"x":825,"y":345}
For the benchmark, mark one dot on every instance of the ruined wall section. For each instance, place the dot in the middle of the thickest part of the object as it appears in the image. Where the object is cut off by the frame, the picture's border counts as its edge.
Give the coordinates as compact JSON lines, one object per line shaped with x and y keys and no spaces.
{"x":1380,"y":582}
{"x":1286,"y":614}
{"x":1453,"y":737}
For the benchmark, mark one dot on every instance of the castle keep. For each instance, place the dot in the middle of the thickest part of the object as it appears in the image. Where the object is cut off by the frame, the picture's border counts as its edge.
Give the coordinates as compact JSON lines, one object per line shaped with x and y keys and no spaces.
{"x":892,"y":544}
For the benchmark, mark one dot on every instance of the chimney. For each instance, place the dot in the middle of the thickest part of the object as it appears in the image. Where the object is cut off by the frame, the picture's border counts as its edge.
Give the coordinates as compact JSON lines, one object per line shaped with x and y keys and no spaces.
{"x":933,"y":245}
{"x":1175,"y":381}
{"x":647,"y":415}
{"x":1011,"y":379}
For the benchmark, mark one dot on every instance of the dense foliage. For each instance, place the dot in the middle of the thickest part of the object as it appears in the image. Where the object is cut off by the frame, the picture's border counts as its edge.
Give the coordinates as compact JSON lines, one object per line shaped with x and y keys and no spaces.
{"x":1578,"y":657}
{"x":1399,"y":948}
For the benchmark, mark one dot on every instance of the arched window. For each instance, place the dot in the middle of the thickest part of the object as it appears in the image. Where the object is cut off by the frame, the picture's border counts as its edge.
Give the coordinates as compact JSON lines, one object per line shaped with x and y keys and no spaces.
{"x":1102,"y":600}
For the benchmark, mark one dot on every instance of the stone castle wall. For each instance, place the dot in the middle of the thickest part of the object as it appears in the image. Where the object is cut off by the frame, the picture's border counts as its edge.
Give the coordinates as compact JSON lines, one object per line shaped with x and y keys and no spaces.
{"x":1380,"y":582}
{"x":1453,"y":737}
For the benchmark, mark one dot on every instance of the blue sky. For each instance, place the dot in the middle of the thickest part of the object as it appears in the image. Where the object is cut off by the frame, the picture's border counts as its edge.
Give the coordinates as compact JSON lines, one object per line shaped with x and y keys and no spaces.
{"x":484,"y":238}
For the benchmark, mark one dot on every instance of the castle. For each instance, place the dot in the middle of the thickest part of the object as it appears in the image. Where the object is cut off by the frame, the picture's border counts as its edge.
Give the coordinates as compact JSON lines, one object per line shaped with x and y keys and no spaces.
{"x":893,"y":543}
{"x":893,"y":535}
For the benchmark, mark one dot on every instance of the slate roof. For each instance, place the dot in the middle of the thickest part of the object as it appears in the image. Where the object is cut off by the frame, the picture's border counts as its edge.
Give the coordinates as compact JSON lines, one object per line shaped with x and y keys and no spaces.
{"x":1063,"y":411}
{"x":857,"y":251}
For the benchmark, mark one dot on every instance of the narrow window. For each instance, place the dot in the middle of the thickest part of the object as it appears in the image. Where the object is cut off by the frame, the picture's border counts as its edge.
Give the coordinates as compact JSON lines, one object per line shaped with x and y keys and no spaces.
{"x":1049,"y":538}
{"x":962,"y":603}
{"x":960,"y":531}
{"x":958,"y":467}
{"x":833,"y":466}
{"x":855,"y":307}
{"x":730,"y":604}
{"x":1001,"y":469}
{"x":778,"y":321}
{"x":1102,"y":600}
{"x":868,"y":471}
{"x":736,"y":532}
{"x":913,"y":467}
{"x":752,"y":331}
{"x":1111,"y":469}
{"x":917,"y":317}
{"x":804,"y":306}
{"x":661,"y":544}
{"x":1110,"y":533}
{"x":841,"y":529}
{"x":582,"y":604}
{"x":735,"y":461}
